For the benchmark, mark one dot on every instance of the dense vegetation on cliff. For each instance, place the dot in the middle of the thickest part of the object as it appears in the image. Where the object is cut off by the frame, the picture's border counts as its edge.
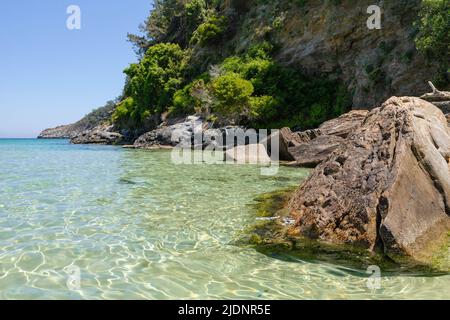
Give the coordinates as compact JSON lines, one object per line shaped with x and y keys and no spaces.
{"x":195,"y":57}
{"x":188,"y":66}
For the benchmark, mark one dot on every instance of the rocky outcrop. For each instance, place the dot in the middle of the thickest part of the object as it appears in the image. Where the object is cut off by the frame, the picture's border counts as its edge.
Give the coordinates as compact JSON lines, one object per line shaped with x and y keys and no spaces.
{"x":286,"y":138}
{"x":344,"y":125}
{"x":387,"y":187}
{"x":193,"y":132}
{"x":95,"y":118}
{"x":61,"y":132}
{"x":310,"y":148}
{"x":103,"y":134}
{"x":173,"y":135}
{"x":314,"y":152}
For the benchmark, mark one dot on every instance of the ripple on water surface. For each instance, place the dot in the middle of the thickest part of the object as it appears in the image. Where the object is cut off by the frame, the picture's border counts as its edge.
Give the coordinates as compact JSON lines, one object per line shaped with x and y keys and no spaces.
{"x":138,"y":227}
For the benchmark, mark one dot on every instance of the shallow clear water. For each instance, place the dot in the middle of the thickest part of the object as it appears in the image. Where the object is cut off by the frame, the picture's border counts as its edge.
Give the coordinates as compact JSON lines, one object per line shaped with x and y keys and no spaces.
{"x":138,"y":227}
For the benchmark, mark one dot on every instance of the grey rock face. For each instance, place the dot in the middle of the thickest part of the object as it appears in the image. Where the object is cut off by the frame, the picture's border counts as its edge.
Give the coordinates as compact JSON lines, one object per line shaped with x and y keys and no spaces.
{"x":172,"y":135}
{"x":103,"y":134}
{"x":374,"y":64}
{"x":60,"y":132}
{"x":193,"y":132}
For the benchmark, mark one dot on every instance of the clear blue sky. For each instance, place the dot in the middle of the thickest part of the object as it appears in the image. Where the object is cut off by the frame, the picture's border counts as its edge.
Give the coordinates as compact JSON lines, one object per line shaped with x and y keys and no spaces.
{"x":50,"y":75}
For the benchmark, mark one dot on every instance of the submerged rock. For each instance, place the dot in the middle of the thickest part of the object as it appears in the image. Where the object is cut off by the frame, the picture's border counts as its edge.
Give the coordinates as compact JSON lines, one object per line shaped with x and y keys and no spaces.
{"x":386,"y":188}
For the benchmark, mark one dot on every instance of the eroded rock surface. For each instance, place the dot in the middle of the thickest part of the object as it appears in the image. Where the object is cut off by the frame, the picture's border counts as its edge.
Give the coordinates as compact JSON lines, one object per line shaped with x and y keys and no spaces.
{"x":102,"y":134}
{"x":310,"y":148}
{"x":314,"y":152}
{"x":60,"y":132}
{"x":344,"y":125}
{"x":386,"y":187}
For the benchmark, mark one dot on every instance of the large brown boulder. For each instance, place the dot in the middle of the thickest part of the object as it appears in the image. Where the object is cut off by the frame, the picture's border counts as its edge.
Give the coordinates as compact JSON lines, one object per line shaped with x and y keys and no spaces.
{"x":386,"y":187}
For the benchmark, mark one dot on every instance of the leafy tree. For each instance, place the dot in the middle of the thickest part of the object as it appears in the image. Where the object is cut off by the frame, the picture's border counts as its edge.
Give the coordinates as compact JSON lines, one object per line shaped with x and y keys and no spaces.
{"x":125,"y":114}
{"x":434,"y":36}
{"x":232,"y":93}
{"x":156,"y":27}
{"x":183,"y":102}
{"x":172,"y":21}
{"x":153,"y":82}
{"x":251,"y":88}
{"x":210,"y":32}
{"x":195,"y":13}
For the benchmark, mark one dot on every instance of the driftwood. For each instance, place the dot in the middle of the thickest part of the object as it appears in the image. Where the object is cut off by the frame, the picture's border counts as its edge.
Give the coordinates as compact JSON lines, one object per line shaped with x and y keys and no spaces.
{"x":436,"y":96}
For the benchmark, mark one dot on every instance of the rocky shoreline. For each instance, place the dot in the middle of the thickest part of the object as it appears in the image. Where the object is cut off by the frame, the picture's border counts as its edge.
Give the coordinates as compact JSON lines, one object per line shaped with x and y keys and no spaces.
{"x":381,"y":178}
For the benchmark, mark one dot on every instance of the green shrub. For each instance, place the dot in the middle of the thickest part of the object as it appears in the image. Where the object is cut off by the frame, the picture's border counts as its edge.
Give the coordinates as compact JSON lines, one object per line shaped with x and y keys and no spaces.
{"x":210,"y":32}
{"x":194,"y":14}
{"x":256,"y":70}
{"x":232,"y":64}
{"x":261,"y":50}
{"x":193,"y":98}
{"x":125,"y":113}
{"x":263,"y":108}
{"x":434,"y":29}
{"x":195,"y":10}
{"x":153,"y":82}
{"x":232,"y":93}
{"x":267,"y":95}
{"x":183,"y":102}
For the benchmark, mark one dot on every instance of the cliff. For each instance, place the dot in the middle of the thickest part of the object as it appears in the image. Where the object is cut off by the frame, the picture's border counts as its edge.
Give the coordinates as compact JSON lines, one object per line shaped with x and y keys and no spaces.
{"x":332,"y":38}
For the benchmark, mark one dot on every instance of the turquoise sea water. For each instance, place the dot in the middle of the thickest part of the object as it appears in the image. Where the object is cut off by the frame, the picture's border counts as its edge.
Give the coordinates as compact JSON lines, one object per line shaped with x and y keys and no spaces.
{"x":136,"y":226}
